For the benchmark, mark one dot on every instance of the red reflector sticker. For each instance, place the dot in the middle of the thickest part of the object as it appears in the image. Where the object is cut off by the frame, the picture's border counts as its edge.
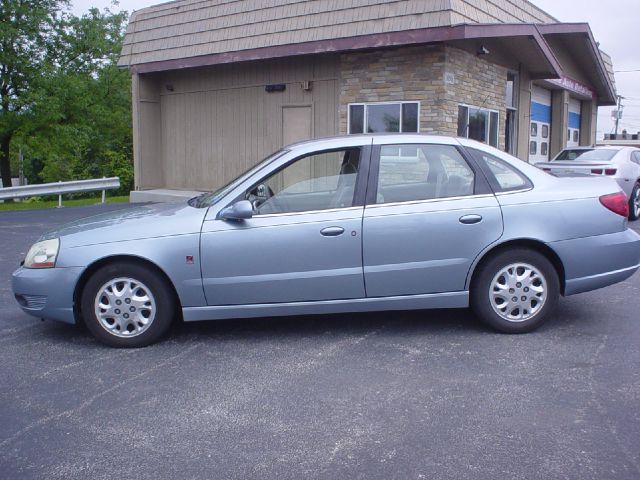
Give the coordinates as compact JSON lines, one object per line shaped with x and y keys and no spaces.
{"x":189,"y":259}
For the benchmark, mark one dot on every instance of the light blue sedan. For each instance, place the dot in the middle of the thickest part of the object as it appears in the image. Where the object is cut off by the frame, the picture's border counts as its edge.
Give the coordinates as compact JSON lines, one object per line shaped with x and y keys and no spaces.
{"x":345,"y":224}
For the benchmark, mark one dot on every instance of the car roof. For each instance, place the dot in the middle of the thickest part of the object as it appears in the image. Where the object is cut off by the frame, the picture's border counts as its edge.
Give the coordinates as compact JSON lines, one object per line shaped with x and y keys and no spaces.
{"x":377,"y":139}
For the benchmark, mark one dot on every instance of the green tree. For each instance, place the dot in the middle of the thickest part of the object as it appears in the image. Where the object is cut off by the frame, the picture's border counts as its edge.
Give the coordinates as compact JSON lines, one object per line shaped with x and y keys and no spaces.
{"x":66,"y":103}
{"x":27,"y":28}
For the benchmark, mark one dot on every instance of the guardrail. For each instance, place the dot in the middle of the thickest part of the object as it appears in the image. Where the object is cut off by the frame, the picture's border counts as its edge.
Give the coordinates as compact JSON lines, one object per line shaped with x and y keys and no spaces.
{"x":61,"y":188}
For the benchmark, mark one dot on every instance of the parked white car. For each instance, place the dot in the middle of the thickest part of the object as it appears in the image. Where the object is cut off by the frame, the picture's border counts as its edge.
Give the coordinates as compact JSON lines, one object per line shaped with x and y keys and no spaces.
{"x":620,"y":163}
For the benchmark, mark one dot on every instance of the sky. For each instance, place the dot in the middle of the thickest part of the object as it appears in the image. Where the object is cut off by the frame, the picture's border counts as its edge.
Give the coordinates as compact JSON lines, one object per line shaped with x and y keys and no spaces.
{"x":614,"y":24}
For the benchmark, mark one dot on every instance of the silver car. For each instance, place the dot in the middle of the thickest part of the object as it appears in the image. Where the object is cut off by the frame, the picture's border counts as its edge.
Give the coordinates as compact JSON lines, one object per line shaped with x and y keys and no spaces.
{"x":346,"y":224}
{"x":620,"y":163}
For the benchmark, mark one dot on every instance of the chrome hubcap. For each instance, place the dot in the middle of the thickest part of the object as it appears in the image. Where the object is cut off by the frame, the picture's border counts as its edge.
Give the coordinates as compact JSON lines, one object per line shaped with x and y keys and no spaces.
{"x":636,"y":203}
{"x":518,"y":292}
{"x":125,"y":307}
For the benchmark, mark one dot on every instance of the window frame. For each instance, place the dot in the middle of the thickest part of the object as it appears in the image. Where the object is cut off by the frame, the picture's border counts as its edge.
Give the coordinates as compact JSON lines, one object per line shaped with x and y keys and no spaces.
{"x":360,"y":185}
{"x":481,"y":186}
{"x":365,"y":119}
{"x":489,"y":111}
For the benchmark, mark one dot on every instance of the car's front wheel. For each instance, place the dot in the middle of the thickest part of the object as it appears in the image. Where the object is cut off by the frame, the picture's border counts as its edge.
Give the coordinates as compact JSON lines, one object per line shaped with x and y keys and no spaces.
{"x":634,"y":203}
{"x":515,"y":290}
{"x":127,"y":305}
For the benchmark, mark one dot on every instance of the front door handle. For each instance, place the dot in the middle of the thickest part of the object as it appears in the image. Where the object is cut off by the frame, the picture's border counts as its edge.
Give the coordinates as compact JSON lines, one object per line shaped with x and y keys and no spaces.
{"x":332,"y":231}
{"x":470,"y":219}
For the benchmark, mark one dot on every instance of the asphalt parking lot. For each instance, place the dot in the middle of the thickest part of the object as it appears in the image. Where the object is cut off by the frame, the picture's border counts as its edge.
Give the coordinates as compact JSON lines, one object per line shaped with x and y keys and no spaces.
{"x":394,"y":395}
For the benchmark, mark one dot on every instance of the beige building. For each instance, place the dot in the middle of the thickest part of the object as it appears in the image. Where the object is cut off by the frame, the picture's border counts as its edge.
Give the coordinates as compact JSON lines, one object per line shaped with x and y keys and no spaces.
{"x":220,"y":84}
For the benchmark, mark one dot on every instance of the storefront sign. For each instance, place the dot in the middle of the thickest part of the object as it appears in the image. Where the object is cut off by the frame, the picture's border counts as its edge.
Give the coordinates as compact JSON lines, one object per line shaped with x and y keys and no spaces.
{"x":574,"y":86}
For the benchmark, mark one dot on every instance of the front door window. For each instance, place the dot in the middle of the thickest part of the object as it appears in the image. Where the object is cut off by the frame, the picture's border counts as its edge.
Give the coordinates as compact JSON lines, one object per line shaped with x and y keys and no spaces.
{"x":319,"y":181}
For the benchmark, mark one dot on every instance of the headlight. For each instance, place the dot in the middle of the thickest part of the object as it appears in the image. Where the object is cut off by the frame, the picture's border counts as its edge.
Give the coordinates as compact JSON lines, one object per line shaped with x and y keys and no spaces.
{"x":43,"y":254}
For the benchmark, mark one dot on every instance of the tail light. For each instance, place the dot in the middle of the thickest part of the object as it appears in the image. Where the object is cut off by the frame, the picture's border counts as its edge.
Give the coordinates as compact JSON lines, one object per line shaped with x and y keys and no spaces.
{"x":607,"y":171}
{"x":617,"y":203}
{"x":546,"y":169}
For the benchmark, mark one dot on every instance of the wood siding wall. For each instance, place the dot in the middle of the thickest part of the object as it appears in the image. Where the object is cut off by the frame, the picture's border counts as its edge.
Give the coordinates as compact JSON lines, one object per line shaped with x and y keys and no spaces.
{"x":217,"y":122}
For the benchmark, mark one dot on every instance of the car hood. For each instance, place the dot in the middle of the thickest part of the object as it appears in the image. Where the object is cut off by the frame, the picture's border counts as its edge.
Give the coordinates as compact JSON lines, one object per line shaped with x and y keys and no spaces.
{"x":148,"y":221}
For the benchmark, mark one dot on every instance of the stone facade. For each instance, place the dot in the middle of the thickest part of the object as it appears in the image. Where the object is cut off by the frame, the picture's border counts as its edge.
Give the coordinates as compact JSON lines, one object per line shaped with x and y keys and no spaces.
{"x":439,"y":76}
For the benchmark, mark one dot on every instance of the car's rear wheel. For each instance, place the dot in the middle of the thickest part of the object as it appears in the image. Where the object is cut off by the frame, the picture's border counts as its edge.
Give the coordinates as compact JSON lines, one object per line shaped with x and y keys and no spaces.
{"x":634,"y":203}
{"x":515,"y":290}
{"x":127,"y":305}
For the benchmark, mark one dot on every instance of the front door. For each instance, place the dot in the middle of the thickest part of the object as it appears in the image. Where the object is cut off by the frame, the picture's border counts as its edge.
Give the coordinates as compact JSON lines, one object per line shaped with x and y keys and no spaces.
{"x":297,"y":123}
{"x":427,"y":222}
{"x":303,"y":242}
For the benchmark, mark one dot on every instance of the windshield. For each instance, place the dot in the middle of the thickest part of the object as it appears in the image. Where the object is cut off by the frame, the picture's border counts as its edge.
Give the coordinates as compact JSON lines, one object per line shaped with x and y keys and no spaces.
{"x":209,"y":198}
{"x":598,"y":155}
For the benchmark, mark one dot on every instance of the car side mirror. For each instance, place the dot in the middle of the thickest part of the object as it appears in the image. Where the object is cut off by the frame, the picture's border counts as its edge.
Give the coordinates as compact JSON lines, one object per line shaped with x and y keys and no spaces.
{"x":241,"y":210}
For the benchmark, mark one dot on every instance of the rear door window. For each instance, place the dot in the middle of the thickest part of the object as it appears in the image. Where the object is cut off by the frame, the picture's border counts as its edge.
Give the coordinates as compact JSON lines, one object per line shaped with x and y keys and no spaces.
{"x":422,"y":172}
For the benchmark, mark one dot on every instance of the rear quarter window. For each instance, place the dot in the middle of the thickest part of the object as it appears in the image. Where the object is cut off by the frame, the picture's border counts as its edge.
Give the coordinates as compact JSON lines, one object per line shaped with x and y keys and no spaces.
{"x":502,"y":176}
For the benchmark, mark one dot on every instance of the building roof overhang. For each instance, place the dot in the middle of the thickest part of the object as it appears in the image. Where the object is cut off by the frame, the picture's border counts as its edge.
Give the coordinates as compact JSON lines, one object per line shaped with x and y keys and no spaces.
{"x":511,"y":45}
{"x":578,"y":40}
{"x":508,"y":40}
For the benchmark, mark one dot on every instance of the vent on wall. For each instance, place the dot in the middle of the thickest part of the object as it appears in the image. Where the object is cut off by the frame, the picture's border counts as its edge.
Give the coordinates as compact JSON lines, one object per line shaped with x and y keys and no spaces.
{"x":278,"y":87}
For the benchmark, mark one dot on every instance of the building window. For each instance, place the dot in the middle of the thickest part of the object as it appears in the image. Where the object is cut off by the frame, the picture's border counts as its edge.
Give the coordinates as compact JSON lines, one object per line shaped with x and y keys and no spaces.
{"x":533,"y":148}
{"x":544,"y":148}
{"x":394,"y":117}
{"x":545,"y":131}
{"x":511,"y":120}
{"x":478,"y":124}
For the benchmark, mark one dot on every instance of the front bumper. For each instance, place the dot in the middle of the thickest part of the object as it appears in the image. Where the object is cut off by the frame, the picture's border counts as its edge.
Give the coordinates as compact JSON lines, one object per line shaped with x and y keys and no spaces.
{"x":599,"y":261}
{"x":47,"y":292}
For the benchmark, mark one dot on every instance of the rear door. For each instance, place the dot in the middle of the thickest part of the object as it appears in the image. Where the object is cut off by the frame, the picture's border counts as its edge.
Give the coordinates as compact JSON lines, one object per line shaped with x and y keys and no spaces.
{"x":429,"y":214}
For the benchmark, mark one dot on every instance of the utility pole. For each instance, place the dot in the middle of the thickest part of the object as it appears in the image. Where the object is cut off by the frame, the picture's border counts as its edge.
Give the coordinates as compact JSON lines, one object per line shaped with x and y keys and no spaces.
{"x":619,"y":113}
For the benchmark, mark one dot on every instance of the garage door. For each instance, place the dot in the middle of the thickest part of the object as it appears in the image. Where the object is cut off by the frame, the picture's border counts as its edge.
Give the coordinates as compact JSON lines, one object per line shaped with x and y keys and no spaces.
{"x":540,"y":124}
{"x":573,"y":140}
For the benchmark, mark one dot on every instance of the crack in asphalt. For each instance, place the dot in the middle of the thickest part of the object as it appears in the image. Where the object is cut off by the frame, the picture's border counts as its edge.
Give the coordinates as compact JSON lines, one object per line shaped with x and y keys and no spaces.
{"x":67,"y":413}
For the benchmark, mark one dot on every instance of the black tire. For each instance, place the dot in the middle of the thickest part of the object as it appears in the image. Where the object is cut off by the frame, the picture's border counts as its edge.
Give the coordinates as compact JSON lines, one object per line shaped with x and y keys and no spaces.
{"x":482,"y":288}
{"x":161,"y":298}
{"x":634,"y":214}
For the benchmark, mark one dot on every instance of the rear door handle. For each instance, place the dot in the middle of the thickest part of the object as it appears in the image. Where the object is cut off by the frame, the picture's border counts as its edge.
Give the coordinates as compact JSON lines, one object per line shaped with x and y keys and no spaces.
{"x":470,"y":219}
{"x":332,"y":231}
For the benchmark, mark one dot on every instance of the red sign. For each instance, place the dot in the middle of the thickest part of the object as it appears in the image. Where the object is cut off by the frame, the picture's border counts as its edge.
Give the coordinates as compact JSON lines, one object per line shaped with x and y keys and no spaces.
{"x":574,"y":86}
